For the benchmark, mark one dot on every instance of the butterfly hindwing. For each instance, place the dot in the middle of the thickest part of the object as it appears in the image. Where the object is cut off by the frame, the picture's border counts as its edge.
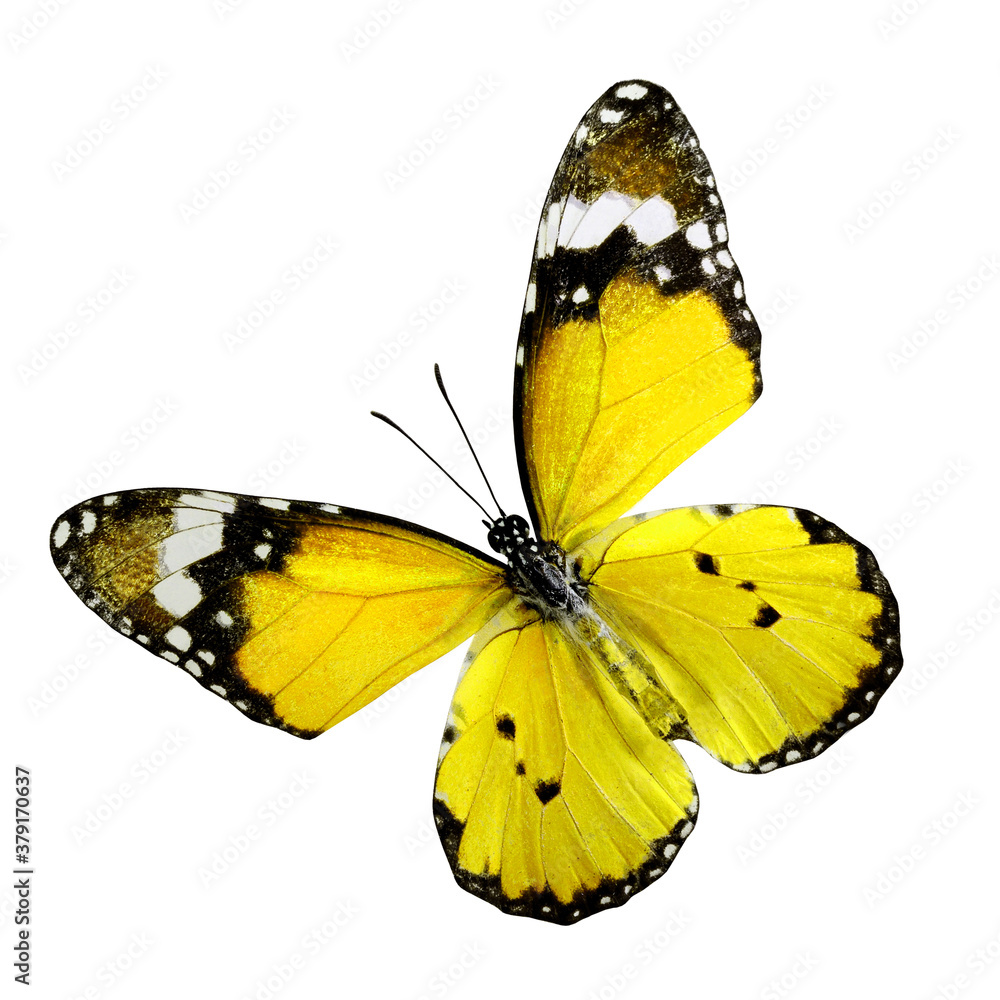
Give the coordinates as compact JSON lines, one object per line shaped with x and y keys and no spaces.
{"x":553,"y":797}
{"x":297,"y":613}
{"x":773,"y":631}
{"x":636,"y":344}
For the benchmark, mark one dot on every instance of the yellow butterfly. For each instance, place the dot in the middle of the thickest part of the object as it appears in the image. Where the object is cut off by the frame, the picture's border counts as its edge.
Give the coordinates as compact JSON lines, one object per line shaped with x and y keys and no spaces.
{"x":761,"y":633}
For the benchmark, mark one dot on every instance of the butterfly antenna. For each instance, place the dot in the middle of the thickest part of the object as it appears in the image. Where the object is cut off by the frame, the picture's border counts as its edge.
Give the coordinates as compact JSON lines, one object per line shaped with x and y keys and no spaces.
{"x":393,"y":424}
{"x":444,"y":392}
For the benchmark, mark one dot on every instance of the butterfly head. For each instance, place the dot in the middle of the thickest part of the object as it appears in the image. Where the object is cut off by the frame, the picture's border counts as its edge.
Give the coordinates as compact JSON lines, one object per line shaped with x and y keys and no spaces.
{"x":509,"y":533}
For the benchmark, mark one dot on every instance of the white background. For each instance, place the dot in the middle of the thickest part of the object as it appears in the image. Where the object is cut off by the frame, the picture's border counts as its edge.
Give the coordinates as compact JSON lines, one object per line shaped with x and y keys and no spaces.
{"x":868,"y":872}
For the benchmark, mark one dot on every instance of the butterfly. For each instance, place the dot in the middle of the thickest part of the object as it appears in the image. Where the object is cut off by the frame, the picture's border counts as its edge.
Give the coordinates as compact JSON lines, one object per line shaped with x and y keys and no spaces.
{"x":762,"y":633}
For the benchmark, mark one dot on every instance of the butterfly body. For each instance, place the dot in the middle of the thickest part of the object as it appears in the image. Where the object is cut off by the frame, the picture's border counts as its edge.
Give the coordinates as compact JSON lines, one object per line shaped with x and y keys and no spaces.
{"x":762,"y":633}
{"x":540,"y":573}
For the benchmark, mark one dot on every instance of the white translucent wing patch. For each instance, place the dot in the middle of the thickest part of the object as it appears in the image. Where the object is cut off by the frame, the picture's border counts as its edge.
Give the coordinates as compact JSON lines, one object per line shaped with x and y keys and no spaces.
{"x":585,"y":226}
{"x":574,"y":211}
{"x":654,"y":220}
{"x":600,"y":220}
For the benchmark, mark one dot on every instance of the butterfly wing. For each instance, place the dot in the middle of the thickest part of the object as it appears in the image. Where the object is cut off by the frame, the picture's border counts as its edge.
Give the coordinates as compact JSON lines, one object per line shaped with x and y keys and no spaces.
{"x":553,"y":797}
{"x":297,"y":613}
{"x":773,"y":631}
{"x":636,"y":343}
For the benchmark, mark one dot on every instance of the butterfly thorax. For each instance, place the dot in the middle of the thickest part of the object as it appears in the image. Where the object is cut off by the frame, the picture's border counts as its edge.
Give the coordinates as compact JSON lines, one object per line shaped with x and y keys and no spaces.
{"x":546,"y":579}
{"x":539,"y":572}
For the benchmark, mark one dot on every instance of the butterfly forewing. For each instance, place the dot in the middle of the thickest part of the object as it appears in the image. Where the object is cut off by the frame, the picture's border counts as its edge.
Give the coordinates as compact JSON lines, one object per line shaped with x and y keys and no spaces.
{"x":636,"y":343}
{"x":297,"y":613}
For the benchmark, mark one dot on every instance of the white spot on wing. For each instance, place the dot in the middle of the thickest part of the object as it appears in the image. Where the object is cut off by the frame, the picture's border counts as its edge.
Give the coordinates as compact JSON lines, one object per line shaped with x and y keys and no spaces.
{"x":610,"y":116}
{"x":574,"y":211}
{"x":529,"y":298}
{"x":653,"y":220}
{"x":271,"y":502}
{"x":192,"y":517}
{"x":186,"y":547}
{"x":663,"y":272}
{"x":224,"y":619}
{"x":540,"y":241}
{"x":552,"y":229}
{"x":328,"y":507}
{"x":177,"y":594}
{"x":179,"y":638}
{"x":698,"y":236}
{"x":61,"y":534}
{"x":209,"y":500}
{"x":581,"y":295}
{"x":581,"y":133}
{"x":601,"y":220}
{"x":89,"y":521}
{"x":632,"y":91}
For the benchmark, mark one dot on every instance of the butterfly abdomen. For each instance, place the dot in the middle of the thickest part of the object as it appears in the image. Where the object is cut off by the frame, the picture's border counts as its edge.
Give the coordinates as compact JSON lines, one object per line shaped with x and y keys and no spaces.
{"x":548,"y":581}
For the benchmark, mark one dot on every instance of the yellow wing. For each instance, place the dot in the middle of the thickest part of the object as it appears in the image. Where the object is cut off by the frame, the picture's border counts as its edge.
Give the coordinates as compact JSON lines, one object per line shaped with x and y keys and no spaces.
{"x":771,"y":630}
{"x":297,"y":613}
{"x":553,"y":797}
{"x":636,"y":344}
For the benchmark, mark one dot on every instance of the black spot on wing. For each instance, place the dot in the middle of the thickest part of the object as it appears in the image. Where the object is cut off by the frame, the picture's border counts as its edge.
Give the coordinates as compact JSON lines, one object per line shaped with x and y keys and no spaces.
{"x":547,"y":791}
{"x":706,"y":563}
{"x":766,"y":616}
{"x":883,"y":635}
{"x":520,"y":767}
{"x":747,"y":585}
{"x":505,"y":727}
